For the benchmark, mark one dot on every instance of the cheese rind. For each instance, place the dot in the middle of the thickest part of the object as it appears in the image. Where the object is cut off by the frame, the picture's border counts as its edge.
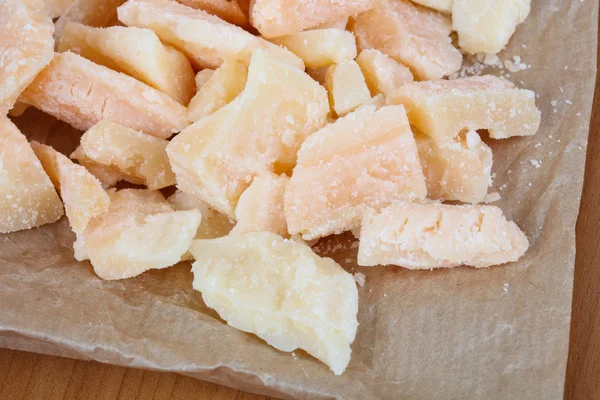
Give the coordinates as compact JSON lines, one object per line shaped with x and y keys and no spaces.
{"x":457,"y":170}
{"x":413,"y":35}
{"x":27,"y":196}
{"x":367,"y":159}
{"x":217,"y":157}
{"x":280,"y":291}
{"x":82,"y":194}
{"x":442,"y":109}
{"x":260,"y":208}
{"x":205,"y":39}
{"x":423,"y":236}
{"x":141,"y":159}
{"x":320,"y":48}
{"x":82,"y":93}
{"x":135,"y":52}
{"x":140,"y":231}
{"x":275,"y":18}
{"x":26,"y":47}
{"x":486,"y":26}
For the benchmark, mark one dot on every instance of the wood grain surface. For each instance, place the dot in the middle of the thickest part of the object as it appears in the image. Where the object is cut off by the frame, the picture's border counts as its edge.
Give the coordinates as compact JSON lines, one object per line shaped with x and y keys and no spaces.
{"x":34,"y":376}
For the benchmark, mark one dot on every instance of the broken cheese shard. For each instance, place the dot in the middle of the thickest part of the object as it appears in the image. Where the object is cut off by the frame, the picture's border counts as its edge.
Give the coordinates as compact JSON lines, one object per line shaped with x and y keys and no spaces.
{"x":275,"y":18}
{"x":280,"y":291}
{"x":83,"y":93}
{"x":457,"y":170}
{"x":140,"y":231}
{"x":423,"y":236}
{"x":140,"y":158}
{"x":135,"y":52}
{"x":368,"y":159}
{"x":382,"y":73}
{"x":321,"y":47}
{"x":229,"y":10}
{"x":486,"y":26}
{"x":413,"y":35}
{"x":96,"y":13}
{"x":224,"y":85}
{"x":82,"y":194}
{"x":106,"y":174}
{"x":442,"y":109}
{"x":347,"y":88}
{"x":27,"y":196}
{"x":205,"y":39}
{"x":444,"y":6}
{"x":217,"y":157}
{"x":214,"y":224}
{"x":260,"y":208}
{"x":202,"y":77}
{"x":56,"y":8}
{"x":26,"y":47}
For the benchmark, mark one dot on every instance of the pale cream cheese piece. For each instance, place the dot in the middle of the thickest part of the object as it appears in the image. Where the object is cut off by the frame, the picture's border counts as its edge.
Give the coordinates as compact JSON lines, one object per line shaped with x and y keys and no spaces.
{"x":347,"y":87}
{"x":281,"y":291}
{"x":423,"y":236}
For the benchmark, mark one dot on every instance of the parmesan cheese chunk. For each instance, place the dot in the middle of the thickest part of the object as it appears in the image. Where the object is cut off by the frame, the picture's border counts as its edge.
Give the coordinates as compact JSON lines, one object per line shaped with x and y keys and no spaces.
{"x":280,"y":291}
{"x":423,"y":236}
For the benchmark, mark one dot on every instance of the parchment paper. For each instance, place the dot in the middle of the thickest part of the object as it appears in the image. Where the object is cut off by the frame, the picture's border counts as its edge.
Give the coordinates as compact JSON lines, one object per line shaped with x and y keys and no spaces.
{"x":500,"y":333}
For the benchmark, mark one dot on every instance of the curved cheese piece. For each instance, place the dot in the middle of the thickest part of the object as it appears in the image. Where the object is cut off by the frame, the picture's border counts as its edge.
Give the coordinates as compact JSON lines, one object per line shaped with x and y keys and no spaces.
{"x":457,"y":170}
{"x":140,"y":231}
{"x":135,"y":52}
{"x":280,"y":291}
{"x":486,"y":26}
{"x":217,"y":158}
{"x":81,"y":192}
{"x":205,"y":39}
{"x":367,"y":159}
{"x":140,"y":158}
{"x":83,"y":93}
{"x":27,"y":196}
{"x":442,"y":109}
{"x":26,"y":47}
{"x":260,"y":208}
{"x":275,"y":18}
{"x":320,"y":48}
{"x":423,"y":236}
{"x":413,"y":35}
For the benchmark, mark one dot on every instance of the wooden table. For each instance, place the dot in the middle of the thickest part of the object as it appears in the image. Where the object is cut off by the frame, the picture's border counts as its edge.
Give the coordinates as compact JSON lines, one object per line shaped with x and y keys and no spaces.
{"x":34,"y":376}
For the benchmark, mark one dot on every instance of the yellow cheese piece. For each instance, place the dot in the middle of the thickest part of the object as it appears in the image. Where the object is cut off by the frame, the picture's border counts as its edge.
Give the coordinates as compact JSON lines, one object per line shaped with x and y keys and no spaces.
{"x":26,"y":47}
{"x":140,"y":231}
{"x":96,"y":13}
{"x":205,"y":39}
{"x":423,"y":236}
{"x":140,"y":158}
{"x":229,"y":10}
{"x":444,"y":6}
{"x":442,"y":109}
{"x":347,"y":88}
{"x":368,"y":159}
{"x":217,"y":158}
{"x":27,"y":196}
{"x":203,"y":76}
{"x":214,"y":224}
{"x":486,"y":26}
{"x":275,"y":18}
{"x":224,"y":85}
{"x":280,"y":291}
{"x":413,"y":35}
{"x":82,"y":194}
{"x":106,"y":174}
{"x":260,"y":208}
{"x":320,"y":47}
{"x":382,"y":73}
{"x":457,"y":170}
{"x":135,"y":52}
{"x":83,"y":93}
